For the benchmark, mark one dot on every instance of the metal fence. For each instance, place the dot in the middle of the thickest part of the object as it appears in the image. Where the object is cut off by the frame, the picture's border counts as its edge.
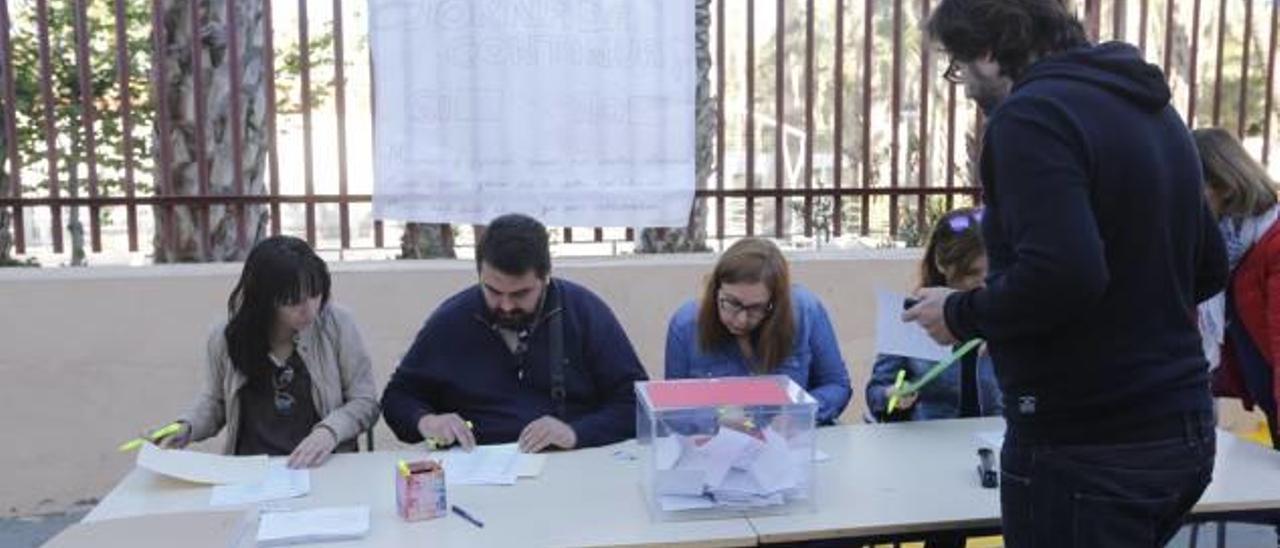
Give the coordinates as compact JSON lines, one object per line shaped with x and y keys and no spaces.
{"x":832,"y":118}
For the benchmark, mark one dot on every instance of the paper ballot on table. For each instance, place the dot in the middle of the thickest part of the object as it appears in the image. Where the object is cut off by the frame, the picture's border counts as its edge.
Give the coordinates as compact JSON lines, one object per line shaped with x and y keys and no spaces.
{"x":489,"y":465}
{"x":316,"y":525}
{"x":899,"y":338}
{"x":203,"y":467}
{"x":529,"y":465}
{"x":281,"y":482}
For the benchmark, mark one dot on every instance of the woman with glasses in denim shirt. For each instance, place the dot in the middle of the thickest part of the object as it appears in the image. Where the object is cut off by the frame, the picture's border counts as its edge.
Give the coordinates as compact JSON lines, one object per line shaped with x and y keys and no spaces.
{"x":287,"y":373}
{"x":752,"y":321}
{"x":954,"y":257}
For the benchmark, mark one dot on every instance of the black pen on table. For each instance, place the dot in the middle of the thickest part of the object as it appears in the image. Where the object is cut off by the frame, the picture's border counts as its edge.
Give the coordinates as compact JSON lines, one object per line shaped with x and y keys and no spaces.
{"x":464,"y":515}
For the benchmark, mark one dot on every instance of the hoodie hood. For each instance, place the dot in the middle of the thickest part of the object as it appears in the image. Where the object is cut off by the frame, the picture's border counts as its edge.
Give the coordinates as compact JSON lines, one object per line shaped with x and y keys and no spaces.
{"x":1114,"y":66}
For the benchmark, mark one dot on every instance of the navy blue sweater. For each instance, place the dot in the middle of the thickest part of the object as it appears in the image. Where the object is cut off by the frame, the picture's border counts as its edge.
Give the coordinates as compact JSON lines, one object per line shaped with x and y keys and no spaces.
{"x":1100,"y":246}
{"x":460,"y":364}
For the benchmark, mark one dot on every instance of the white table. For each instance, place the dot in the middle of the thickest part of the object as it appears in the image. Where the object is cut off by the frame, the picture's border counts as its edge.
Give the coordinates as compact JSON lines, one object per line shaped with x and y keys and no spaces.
{"x":881,"y":480}
{"x":902,"y":478}
{"x":583,"y":498}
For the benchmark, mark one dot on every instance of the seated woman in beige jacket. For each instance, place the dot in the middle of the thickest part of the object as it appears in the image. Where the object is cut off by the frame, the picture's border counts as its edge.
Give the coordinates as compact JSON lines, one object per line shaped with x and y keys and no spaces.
{"x":287,"y":373}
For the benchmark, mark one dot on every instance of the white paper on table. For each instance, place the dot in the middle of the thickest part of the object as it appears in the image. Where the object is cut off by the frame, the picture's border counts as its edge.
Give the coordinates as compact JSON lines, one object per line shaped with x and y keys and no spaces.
{"x":317,"y":525}
{"x":893,"y":336}
{"x":205,"y":468}
{"x":820,"y":455}
{"x":483,"y":465}
{"x":528,"y":465}
{"x":281,"y":482}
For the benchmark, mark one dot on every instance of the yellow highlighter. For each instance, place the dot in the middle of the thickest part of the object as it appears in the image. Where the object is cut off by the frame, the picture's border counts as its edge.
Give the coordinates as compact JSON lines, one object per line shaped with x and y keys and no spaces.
{"x":168,"y":430}
{"x":436,"y":443}
{"x":897,"y":385}
{"x":404,"y":468}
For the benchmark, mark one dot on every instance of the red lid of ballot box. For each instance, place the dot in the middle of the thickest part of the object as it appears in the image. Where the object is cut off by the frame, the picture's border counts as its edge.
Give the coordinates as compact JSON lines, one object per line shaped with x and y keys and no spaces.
{"x":675,"y":394}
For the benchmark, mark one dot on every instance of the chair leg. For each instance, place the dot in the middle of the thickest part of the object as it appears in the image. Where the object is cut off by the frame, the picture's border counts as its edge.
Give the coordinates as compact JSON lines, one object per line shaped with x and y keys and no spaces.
{"x":1222,"y":534}
{"x":1195,"y":535}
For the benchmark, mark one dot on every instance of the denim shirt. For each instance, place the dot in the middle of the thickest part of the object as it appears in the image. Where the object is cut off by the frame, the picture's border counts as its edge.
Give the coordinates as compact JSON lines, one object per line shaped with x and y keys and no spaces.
{"x":940,"y":399}
{"x":814,"y":363}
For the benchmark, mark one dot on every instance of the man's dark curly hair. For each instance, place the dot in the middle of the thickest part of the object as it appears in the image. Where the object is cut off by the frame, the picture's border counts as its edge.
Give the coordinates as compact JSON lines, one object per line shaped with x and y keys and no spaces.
{"x":1014,"y":32}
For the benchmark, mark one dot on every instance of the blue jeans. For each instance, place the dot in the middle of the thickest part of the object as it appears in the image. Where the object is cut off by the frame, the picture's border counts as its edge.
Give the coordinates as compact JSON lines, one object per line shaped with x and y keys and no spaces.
{"x":1121,"y":495}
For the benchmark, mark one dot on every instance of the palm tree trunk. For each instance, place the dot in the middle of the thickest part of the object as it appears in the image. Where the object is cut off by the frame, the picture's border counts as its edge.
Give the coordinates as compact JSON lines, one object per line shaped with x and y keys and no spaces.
{"x":426,"y":241}
{"x":74,"y":226}
{"x":180,"y":93}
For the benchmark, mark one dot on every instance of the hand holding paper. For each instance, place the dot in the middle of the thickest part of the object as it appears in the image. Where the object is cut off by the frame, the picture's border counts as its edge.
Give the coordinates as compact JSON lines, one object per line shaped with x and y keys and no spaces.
{"x":929,"y":313}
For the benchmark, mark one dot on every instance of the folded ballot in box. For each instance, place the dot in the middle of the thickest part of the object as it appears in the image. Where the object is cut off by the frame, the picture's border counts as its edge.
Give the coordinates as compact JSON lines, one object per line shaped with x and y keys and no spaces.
{"x":729,"y":446}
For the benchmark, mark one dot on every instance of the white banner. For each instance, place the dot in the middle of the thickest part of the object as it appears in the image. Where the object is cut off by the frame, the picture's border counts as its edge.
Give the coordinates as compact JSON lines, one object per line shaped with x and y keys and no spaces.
{"x":577,"y":112}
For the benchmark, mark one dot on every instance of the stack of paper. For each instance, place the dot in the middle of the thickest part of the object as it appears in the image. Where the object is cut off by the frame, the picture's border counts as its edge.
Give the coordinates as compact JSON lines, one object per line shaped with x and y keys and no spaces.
{"x":317,"y":525}
{"x":281,"y":482}
{"x":732,"y":468}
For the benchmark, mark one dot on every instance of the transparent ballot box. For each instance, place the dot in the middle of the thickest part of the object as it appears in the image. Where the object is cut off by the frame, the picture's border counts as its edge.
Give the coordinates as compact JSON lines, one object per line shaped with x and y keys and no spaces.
{"x":728,"y":446}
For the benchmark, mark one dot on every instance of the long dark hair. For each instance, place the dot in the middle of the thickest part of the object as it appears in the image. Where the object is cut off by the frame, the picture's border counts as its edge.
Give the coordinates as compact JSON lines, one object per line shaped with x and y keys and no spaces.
{"x":751,"y":260}
{"x":956,"y":242}
{"x":1012,"y":31}
{"x":280,"y":270}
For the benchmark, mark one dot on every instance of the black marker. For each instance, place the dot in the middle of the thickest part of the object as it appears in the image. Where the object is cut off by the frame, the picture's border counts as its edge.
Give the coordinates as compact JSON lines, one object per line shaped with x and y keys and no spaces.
{"x":909,"y":302}
{"x":987,"y":469}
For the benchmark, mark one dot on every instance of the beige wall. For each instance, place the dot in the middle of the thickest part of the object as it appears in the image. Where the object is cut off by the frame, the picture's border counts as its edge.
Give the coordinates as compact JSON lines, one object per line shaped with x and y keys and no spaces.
{"x":91,"y":357}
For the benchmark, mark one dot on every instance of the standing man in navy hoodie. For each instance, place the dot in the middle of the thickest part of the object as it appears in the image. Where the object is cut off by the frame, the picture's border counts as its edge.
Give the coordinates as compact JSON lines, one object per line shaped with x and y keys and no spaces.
{"x":520,"y":357}
{"x":1100,"y":247}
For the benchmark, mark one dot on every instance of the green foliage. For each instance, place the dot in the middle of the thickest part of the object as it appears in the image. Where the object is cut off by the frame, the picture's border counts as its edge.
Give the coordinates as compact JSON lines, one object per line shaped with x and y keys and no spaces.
{"x":106,"y":99}
{"x":289,"y":65}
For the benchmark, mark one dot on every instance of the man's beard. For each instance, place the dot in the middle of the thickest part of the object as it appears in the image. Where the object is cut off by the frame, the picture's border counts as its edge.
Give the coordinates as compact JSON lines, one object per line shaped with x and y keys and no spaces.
{"x":514,"y":321}
{"x":988,"y":95}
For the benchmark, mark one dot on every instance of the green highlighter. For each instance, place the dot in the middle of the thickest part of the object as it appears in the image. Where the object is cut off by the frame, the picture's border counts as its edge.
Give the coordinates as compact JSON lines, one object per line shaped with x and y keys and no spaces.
{"x":168,"y":430}
{"x":912,"y":387}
